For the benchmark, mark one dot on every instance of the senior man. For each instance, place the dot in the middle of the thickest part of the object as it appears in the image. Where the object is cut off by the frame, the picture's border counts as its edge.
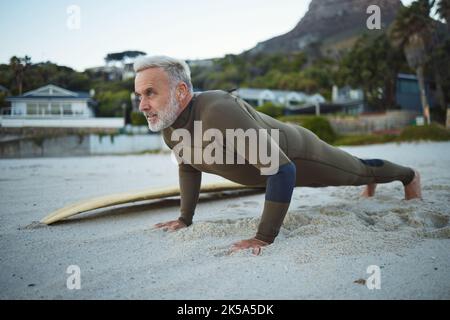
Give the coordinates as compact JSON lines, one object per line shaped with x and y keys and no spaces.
{"x":163,"y":86}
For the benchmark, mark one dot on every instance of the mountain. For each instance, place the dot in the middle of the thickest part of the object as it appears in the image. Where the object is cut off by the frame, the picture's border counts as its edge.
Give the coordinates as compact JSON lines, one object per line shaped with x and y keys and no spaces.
{"x":328,"y":26}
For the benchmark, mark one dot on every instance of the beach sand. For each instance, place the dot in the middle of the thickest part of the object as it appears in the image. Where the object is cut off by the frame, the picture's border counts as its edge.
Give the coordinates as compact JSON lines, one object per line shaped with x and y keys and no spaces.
{"x":329,"y":237}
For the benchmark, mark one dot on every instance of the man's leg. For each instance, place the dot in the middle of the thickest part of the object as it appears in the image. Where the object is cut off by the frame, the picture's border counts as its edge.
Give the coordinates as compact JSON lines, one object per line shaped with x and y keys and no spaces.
{"x":412,"y":189}
{"x":369,"y":190}
{"x":325,"y":165}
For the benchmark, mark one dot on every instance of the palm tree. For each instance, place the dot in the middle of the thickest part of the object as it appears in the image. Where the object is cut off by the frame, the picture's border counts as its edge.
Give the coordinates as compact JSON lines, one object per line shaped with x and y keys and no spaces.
{"x":443,"y":10}
{"x":412,"y":30}
{"x":439,"y":53}
{"x":19,"y":65}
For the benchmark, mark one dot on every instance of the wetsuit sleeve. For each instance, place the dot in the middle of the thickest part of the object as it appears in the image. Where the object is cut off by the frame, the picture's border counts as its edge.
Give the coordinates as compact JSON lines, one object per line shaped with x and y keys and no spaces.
{"x":190,"y":181}
{"x":279,"y":190}
{"x":280,"y":182}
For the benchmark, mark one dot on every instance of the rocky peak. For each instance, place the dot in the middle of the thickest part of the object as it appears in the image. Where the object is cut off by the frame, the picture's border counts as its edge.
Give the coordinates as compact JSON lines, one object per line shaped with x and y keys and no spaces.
{"x":327,"y":21}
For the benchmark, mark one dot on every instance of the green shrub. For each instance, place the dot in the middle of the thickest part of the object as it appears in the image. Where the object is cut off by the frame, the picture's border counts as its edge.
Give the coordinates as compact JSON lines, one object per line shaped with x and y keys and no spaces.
{"x":297,"y":119}
{"x":270,"y":109}
{"x":355,"y":140}
{"x":319,"y":125}
{"x":112,"y":103}
{"x":433,"y":132}
{"x":138,"y":119}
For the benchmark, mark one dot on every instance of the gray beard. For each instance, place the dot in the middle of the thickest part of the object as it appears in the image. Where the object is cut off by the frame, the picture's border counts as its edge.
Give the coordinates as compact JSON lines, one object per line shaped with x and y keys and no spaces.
{"x":167,"y":117}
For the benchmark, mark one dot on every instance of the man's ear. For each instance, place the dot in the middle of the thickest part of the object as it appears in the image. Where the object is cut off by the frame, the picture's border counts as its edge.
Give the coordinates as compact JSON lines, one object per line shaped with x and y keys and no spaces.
{"x":181,"y":91}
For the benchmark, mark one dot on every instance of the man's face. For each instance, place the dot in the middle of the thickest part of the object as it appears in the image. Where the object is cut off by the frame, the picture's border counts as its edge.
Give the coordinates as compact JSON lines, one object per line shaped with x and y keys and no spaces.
{"x":157,"y":99}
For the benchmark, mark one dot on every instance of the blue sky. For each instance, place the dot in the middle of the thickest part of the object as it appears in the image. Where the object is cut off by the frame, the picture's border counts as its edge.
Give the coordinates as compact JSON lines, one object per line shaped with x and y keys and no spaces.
{"x":194,"y":29}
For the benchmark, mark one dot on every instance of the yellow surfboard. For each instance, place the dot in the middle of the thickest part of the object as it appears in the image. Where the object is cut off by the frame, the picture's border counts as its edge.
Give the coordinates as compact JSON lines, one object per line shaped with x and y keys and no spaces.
{"x":120,"y":198}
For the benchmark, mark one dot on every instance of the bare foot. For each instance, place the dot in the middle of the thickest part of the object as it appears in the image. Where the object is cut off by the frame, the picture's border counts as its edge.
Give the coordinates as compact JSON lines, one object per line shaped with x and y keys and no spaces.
{"x":369,"y":191}
{"x":413,"y":190}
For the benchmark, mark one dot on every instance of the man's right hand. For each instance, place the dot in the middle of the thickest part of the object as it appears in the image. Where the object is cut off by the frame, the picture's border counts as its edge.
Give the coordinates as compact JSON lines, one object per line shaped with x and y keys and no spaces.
{"x":171,"y":225}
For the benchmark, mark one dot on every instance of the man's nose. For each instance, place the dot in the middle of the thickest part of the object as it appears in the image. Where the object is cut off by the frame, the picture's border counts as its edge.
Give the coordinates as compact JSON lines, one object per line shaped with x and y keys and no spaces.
{"x":144,"y":105}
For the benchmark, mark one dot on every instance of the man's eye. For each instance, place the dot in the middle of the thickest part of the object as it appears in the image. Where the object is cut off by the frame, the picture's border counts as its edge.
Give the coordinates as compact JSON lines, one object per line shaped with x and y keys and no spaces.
{"x":149,"y":93}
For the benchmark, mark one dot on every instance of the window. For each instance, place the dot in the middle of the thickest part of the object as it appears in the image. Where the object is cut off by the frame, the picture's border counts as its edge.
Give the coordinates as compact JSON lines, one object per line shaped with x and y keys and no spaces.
{"x":32,"y":109}
{"x":67,"y":109}
{"x":296,"y":102}
{"x":55,"y":109}
{"x":78,"y":110}
{"x":43,"y":108}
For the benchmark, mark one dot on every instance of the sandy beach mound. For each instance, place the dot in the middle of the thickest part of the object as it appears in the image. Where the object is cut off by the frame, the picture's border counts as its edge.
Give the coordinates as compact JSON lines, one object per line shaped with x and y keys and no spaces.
{"x":328,"y":240}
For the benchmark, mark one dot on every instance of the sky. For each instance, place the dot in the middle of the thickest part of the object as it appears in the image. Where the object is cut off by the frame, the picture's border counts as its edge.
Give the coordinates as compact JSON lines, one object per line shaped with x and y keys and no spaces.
{"x":49,"y":30}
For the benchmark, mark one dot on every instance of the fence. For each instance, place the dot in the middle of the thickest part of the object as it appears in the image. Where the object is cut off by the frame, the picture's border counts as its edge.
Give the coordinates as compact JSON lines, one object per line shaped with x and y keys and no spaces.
{"x":79,"y":145}
{"x":368,"y":123}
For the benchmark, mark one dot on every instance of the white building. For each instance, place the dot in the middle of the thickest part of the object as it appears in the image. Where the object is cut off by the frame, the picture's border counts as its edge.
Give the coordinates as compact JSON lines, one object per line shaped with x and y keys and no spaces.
{"x":292,"y":100}
{"x":351,"y":99}
{"x":53,"y":106}
{"x":108,"y":72}
{"x":51,"y":102}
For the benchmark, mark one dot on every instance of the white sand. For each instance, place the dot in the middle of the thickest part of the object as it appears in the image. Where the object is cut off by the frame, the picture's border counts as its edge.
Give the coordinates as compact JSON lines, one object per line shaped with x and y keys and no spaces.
{"x":328,"y":240}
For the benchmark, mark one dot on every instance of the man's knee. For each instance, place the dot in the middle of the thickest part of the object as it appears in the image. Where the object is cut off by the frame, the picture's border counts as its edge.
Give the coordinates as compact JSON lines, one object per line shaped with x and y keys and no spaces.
{"x":372,"y":162}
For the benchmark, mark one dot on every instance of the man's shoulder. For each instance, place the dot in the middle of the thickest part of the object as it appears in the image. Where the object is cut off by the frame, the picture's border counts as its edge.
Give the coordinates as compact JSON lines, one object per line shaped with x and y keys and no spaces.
{"x":213,"y":98}
{"x":214,"y":101}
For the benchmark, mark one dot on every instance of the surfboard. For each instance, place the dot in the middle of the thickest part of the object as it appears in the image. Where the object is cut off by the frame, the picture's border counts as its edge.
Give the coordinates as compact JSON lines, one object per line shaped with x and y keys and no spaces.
{"x":121,"y":198}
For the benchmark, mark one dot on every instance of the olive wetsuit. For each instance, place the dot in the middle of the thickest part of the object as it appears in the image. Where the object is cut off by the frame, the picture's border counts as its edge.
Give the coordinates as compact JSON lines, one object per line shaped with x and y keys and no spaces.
{"x":303,"y":159}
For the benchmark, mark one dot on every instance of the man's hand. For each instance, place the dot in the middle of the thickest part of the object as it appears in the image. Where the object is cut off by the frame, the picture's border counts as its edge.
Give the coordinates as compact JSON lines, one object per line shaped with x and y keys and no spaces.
{"x":171,"y":225}
{"x":253,"y":243}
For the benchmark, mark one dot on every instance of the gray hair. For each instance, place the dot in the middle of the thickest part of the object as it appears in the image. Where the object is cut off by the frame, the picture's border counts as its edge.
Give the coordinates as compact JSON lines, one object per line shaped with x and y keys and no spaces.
{"x":177,"y":70}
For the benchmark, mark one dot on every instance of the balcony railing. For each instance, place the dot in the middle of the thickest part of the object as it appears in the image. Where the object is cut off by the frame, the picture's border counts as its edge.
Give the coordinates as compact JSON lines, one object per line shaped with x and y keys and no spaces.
{"x":7,"y":112}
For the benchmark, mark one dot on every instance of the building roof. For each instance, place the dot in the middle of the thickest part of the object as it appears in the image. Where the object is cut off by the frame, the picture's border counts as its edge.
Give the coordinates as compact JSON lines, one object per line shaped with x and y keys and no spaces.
{"x":252,"y":93}
{"x":52,"y":92}
{"x":406,"y":76}
{"x":280,"y":96}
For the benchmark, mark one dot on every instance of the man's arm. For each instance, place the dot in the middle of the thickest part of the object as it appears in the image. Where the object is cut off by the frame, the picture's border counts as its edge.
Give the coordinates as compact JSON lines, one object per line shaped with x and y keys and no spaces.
{"x":190,"y":181}
{"x":279,"y":190}
{"x":279,"y":186}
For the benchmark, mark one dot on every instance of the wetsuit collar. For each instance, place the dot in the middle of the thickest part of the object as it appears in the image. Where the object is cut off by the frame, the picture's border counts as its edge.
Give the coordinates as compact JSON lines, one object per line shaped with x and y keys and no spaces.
{"x":184,"y":116}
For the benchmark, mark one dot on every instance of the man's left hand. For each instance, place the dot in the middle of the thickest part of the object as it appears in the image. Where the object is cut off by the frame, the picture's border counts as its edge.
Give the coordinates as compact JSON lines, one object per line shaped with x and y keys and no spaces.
{"x":252,"y":243}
